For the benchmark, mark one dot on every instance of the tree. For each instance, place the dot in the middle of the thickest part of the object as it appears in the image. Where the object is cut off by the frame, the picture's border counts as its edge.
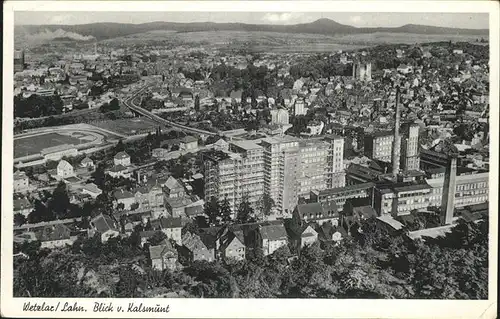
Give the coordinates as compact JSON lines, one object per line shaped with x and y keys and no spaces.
{"x":19,"y":219}
{"x":245,"y":212}
{"x":157,"y":238}
{"x":225,"y":210}
{"x":197,"y":103}
{"x":59,"y":203}
{"x":213,"y":210}
{"x":266,"y":204}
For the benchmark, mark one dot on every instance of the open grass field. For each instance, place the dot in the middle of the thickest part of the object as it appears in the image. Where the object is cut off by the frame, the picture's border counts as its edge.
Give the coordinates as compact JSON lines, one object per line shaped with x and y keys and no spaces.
{"x":129,"y":127}
{"x":287,"y":42}
{"x":34,"y":144}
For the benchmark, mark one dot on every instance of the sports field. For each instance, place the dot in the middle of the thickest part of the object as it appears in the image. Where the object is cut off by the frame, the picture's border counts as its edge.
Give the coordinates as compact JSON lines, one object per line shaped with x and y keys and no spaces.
{"x":34,"y":144}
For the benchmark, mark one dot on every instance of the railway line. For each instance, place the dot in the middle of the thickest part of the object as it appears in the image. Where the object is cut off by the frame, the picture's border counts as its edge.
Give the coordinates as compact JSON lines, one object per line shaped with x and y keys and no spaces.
{"x":130,"y":104}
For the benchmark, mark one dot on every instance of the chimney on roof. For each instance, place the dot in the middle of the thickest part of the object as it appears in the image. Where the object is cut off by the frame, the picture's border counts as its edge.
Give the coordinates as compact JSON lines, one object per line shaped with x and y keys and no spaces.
{"x":396,"y":144}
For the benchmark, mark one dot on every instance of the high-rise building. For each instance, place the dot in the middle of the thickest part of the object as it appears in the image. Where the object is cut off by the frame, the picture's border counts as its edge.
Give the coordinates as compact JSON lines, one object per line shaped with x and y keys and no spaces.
{"x":299,"y":107}
{"x":378,"y":145}
{"x":410,"y":159}
{"x":18,"y":60}
{"x":314,"y":166}
{"x":281,"y":164}
{"x":279,"y":116}
{"x":235,"y":174}
{"x":335,"y":175}
{"x":449,"y":190}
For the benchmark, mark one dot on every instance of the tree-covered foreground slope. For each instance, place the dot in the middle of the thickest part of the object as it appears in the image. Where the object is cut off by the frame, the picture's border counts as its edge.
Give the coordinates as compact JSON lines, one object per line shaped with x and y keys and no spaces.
{"x":370,"y":264}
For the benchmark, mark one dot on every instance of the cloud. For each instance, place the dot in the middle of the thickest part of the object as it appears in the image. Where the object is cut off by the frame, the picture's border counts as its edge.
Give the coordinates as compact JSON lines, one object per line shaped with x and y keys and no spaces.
{"x":283,"y":18}
{"x":355,"y":19}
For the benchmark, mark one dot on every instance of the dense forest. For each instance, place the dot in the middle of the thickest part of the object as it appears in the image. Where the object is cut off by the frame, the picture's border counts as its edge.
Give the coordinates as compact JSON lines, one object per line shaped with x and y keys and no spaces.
{"x":372,"y":263}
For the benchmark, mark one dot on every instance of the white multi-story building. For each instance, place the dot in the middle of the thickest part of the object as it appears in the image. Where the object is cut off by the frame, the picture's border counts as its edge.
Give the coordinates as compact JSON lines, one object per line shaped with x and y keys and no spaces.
{"x":313,"y":166}
{"x":335,"y":162}
{"x":409,"y":148}
{"x":279,"y":116}
{"x":281,"y":164}
{"x":65,"y":169}
{"x":235,"y":174}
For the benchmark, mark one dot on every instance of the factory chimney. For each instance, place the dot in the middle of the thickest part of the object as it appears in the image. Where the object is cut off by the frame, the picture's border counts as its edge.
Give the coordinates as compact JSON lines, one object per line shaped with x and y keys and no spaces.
{"x":396,"y":144}
{"x":449,"y":189}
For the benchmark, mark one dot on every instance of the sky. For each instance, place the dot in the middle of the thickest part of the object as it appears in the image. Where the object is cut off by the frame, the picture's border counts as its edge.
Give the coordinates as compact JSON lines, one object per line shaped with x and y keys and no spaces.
{"x":357,"y":19}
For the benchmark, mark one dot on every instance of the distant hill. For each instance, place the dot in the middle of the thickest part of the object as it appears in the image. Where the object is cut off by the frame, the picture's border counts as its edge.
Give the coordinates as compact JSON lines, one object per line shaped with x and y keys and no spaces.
{"x":102,"y":31}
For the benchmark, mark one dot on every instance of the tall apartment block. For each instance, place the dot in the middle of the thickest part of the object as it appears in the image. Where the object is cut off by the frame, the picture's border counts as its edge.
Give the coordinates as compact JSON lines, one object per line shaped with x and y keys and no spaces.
{"x":335,"y":175}
{"x":281,"y":165}
{"x":235,"y":174}
{"x":378,"y":145}
{"x":410,"y":159}
{"x":18,"y":60}
{"x":313,"y":172}
{"x":449,"y":190}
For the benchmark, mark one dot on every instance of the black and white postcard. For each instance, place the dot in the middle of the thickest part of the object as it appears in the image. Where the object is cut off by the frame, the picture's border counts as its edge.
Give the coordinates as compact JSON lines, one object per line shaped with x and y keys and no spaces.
{"x":277,"y":159}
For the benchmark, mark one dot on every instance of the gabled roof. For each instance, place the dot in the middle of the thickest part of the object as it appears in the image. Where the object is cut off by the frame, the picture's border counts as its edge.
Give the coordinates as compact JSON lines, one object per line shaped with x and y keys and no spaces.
{"x":87,"y":160}
{"x":64,"y":165}
{"x":273,"y":232}
{"x":56,"y":232}
{"x":121,"y":155}
{"x":317,"y":208}
{"x":19,"y":175}
{"x":189,"y":139}
{"x":122,"y":194}
{"x":170,"y":222}
{"x":103,"y":223}
{"x":91,"y":187}
{"x":172,"y":183}
{"x":22,"y":203}
{"x":193,"y":242}
{"x":117,"y":168}
{"x":157,"y":252}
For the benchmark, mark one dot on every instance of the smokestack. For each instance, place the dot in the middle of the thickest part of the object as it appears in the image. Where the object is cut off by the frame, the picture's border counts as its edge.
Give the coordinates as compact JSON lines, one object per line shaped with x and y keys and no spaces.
{"x":449,"y":189}
{"x":396,"y":144}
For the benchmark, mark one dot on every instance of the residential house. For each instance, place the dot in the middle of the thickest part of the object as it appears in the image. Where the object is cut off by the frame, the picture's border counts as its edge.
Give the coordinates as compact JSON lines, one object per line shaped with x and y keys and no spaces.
{"x":124,"y":197}
{"x":316,"y":212}
{"x":308,"y":236}
{"x":189,"y":143}
{"x":55,"y":236}
{"x":230,"y":244}
{"x":163,"y":256}
{"x":173,"y":188}
{"x":119,"y":171}
{"x":121,"y":158}
{"x":171,"y":227}
{"x":176,"y":206}
{"x":195,"y":248}
{"x":22,"y":206}
{"x":92,"y":190}
{"x":236,"y":96}
{"x":87,"y":162}
{"x":105,"y":226}
{"x":21,"y":182}
{"x":149,"y":197}
{"x":273,"y":237}
{"x":65,"y":169}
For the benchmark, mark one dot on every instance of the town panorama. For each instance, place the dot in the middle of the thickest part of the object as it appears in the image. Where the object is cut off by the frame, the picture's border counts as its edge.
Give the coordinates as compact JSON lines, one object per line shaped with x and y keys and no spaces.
{"x":216,"y":160}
